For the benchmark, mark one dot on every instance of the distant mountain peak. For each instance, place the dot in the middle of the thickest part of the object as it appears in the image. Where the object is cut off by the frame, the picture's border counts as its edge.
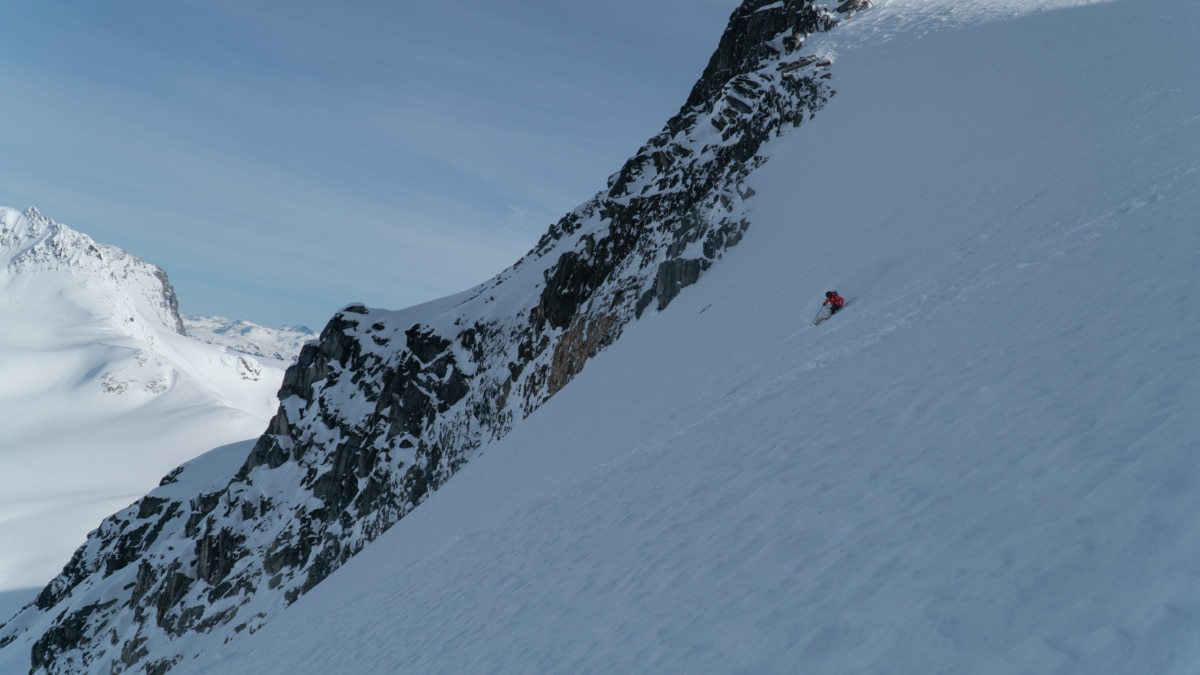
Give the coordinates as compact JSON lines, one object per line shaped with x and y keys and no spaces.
{"x":102,"y":393}
{"x":116,"y":282}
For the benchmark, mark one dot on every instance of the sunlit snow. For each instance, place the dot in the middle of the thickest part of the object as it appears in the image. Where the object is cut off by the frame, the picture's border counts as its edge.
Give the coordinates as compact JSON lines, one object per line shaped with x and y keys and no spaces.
{"x":100,"y":395}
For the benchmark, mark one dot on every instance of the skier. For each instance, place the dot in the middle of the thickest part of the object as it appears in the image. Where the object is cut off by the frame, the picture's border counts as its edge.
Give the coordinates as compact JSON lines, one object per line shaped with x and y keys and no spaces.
{"x":834,"y":301}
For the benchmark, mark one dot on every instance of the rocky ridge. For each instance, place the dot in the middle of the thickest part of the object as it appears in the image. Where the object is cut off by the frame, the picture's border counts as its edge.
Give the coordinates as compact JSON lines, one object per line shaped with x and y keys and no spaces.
{"x":387,"y":406}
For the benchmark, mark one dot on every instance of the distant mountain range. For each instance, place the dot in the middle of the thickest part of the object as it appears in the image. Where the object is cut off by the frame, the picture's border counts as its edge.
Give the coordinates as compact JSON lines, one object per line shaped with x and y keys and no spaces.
{"x":277,"y":344}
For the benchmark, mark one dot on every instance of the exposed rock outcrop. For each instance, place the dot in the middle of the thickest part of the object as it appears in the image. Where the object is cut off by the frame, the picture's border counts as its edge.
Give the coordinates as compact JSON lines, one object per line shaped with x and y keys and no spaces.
{"x":387,"y":406}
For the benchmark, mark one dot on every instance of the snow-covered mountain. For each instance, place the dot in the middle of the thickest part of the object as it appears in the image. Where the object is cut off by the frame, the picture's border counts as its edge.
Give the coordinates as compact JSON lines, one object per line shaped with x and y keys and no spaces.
{"x":99,"y":278}
{"x":389,"y":405}
{"x":100,"y":390}
{"x":985,"y":464}
{"x":276,"y":344}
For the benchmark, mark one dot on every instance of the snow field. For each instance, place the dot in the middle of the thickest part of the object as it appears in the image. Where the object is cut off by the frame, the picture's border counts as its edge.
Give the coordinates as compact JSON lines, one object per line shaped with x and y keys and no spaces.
{"x":89,"y":428}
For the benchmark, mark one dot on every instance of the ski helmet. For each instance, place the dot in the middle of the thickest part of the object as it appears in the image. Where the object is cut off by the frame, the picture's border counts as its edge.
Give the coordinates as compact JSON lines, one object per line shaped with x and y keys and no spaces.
{"x":829,"y":294}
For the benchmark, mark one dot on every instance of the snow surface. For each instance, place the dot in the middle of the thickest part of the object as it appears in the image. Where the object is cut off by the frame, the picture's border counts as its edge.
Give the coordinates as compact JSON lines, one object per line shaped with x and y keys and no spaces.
{"x":279,"y":345}
{"x":101,"y":397}
{"x":989,"y":463}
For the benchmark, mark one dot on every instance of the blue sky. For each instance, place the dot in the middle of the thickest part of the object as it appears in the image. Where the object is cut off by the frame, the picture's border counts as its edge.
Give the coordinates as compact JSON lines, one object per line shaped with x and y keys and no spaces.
{"x":280,"y":159}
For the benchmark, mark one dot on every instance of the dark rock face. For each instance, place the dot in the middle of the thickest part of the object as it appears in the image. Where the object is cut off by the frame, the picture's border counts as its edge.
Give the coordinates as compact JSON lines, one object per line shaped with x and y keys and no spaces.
{"x":387,"y":406}
{"x":851,"y":6}
{"x":169,"y":300}
{"x":673,"y":276}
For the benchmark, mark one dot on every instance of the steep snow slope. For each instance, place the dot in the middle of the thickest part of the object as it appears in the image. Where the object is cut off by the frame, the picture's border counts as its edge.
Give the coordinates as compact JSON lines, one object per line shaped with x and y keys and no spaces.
{"x":101,"y":394}
{"x":387,"y":405}
{"x":988,"y":464}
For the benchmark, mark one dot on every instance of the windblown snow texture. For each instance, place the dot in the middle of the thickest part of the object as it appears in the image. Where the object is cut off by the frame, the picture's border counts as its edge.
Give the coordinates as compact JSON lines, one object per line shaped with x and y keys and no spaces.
{"x":388,"y":405}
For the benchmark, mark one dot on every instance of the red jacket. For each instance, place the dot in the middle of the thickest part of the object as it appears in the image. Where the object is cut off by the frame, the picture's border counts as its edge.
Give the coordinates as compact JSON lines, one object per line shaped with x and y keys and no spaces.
{"x":834,"y":301}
